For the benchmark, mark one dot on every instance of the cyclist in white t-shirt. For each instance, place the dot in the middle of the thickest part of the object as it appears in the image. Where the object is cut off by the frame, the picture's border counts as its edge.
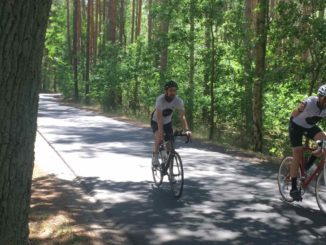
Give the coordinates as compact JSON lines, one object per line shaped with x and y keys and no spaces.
{"x":303,"y":122}
{"x":161,"y":119}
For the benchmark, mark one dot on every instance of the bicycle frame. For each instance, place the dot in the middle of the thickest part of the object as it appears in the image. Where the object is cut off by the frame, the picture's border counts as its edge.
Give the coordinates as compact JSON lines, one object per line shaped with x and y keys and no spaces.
{"x":320,"y":167}
{"x":171,"y":142}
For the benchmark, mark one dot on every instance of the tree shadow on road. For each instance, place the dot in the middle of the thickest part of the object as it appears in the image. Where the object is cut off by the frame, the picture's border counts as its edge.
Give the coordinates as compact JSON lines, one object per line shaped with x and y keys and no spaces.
{"x":211,"y":211}
{"x":61,"y":214}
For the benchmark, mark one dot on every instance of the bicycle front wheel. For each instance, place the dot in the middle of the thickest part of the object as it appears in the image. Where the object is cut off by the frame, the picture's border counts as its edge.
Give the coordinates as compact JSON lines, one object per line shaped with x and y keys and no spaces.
{"x":176,"y":177}
{"x":157,"y":174}
{"x":284,"y":179}
{"x":321,"y":192}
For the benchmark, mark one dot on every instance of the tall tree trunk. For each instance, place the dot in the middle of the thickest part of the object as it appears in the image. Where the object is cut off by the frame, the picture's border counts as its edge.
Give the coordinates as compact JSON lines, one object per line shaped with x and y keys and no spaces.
{"x":78,"y":23}
{"x":139,"y":15}
{"x":96,"y":29}
{"x":150,"y":21}
{"x":112,"y":21}
{"x":191,"y":89}
{"x":321,"y":13}
{"x":21,"y":51}
{"x":207,"y":62}
{"x":163,"y":40}
{"x":260,"y":47}
{"x":76,"y":46}
{"x":122,"y":23}
{"x":212,"y":81}
{"x":133,"y":20}
{"x":247,"y":61}
{"x":68,"y":32}
{"x":88,"y":46}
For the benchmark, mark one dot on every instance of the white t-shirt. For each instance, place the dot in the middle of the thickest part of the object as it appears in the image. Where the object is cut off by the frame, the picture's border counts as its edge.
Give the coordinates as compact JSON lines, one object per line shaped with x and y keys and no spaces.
{"x":311,"y":113}
{"x":167,"y":108}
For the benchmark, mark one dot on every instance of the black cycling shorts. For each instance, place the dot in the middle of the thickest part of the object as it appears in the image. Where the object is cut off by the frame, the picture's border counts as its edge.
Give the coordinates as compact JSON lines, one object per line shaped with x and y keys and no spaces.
{"x":167,"y":128}
{"x":296,"y":133}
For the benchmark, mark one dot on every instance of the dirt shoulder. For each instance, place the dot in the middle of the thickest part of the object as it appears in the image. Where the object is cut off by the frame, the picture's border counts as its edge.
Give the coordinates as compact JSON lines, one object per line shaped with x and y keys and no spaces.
{"x":61,"y":212}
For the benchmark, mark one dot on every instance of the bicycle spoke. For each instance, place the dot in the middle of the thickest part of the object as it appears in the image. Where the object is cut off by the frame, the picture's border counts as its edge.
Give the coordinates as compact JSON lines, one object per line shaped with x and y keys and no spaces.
{"x":176,"y":176}
{"x":321,"y":192}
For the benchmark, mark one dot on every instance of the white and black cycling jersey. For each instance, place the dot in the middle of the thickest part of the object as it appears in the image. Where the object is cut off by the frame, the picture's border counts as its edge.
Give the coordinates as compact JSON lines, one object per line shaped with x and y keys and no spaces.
{"x":311,"y":114}
{"x":167,"y":108}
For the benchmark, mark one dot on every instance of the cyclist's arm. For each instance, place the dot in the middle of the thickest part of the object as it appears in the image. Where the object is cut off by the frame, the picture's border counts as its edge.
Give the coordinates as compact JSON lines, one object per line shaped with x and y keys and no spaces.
{"x":299,"y":109}
{"x":183,"y":119}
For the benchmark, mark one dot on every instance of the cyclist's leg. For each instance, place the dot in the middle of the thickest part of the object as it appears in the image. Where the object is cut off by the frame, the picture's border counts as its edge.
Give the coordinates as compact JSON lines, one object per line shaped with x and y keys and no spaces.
{"x":296,"y":135}
{"x":168,"y":131}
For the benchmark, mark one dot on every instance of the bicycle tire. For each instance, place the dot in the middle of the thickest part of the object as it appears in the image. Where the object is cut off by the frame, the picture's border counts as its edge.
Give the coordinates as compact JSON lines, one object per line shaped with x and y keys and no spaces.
{"x":320,"y":191}
{"x":157,"y":173}
{"x":284,"y":180}
{"x":176,"y":175}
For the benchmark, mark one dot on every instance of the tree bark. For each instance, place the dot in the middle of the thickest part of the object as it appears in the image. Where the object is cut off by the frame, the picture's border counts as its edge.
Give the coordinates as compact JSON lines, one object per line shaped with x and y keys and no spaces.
{"x":190,"y":115}
{"x":23,"y":25}
{"x":133,"y":21}
{"x":76,"y":46}
{"x":212,"y":81}
{"x":260,"y":47}
{"x":139,"y":15}
{"x":112,"y":21}
{"x":247,"y":61}
{"x":150,"y":21}
{"x":164,"y":42}
{"x":122,"y":23}
{"x":205,"y":110}
{"x":68,"y":32}
{"x":88,"y":47}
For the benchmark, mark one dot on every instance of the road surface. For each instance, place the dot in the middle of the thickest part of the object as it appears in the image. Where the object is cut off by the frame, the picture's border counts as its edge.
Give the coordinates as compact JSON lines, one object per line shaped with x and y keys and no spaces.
{"x":226,"y":199}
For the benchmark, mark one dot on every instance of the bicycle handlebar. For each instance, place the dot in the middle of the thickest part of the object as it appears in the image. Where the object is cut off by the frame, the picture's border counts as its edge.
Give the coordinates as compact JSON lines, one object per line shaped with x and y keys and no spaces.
{"x":181,"y":133}
{"x":321,"y":143}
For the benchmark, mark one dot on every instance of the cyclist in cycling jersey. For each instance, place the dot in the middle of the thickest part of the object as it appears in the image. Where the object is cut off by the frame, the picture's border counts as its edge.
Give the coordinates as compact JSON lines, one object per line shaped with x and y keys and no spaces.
{"x":303,"y":122}
{"x":161,"y":119}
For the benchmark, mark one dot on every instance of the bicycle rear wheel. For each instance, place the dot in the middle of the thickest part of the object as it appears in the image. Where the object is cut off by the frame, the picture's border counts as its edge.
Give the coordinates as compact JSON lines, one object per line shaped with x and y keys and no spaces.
{"x":176,"y":177}
{"x":284,"y":179}
{"x":321,"y":192}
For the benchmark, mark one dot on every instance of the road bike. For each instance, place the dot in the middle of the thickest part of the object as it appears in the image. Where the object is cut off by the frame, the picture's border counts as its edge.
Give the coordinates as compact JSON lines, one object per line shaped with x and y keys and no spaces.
{"x":305,"y":177}
{"x":170,"y":164}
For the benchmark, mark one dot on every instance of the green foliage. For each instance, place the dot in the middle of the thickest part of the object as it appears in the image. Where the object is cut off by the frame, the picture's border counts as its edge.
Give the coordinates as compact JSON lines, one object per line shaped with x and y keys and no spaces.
{"x":128,"y":77}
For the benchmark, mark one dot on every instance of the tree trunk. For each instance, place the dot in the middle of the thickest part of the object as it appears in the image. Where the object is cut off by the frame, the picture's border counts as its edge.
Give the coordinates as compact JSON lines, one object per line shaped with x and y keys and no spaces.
{"x":75,"y":48}
{"x":112,"y":21}
{"x":96,"y":30}
{"x":88,"y":47}
{"x":190,"y":115}
{"x":21,"y":51}
{"x":212,"y":81}
{"x":150,"y":21}
{"x":139,"y":14}
{"x":164,"y":42}
{"x":133,"y":21}
{"x":207,"y":62}
{"x":260,"y":47}
{"x":68,"y":32}
{"x":122,"y":23}
{"x":247,"y":65}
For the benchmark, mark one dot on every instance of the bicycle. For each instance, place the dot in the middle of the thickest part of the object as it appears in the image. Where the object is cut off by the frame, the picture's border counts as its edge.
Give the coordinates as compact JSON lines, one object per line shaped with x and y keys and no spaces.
{"x":170,"y":165}
{"x":304,"y":178}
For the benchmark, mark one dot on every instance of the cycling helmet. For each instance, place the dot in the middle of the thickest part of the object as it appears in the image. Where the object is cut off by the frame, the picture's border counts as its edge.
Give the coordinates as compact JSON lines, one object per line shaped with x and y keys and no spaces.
{"x":322,"y":90}
{"x":173,"y":84}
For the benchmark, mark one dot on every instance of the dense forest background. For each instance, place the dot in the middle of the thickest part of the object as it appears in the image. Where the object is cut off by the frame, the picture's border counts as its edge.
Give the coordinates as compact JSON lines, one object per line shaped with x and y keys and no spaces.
{"x":242,"y":65}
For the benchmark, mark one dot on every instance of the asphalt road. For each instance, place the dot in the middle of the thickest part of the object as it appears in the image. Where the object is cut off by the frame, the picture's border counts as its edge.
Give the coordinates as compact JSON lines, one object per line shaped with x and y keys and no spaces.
{"x":226,"y":199}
